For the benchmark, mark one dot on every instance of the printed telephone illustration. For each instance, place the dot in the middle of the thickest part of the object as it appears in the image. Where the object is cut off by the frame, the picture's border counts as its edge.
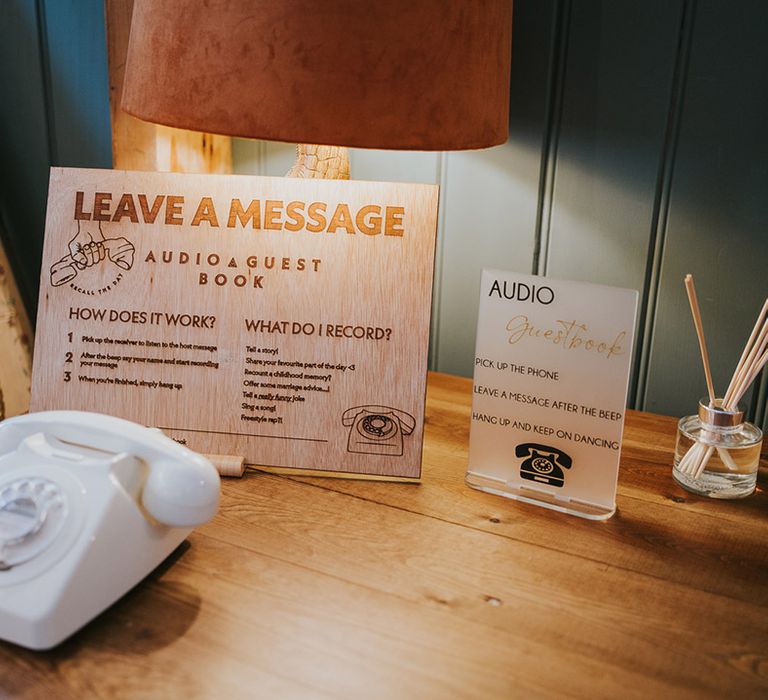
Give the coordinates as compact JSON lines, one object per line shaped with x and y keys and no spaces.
{"x":89,"y":505}
{"x":543,"y":464}
{"x":89,"y":247}
{"x":377,"y":430}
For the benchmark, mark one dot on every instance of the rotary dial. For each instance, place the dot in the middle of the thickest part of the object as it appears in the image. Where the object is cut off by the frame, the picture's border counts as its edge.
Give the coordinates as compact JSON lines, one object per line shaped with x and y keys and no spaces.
{"x":32,"y":512}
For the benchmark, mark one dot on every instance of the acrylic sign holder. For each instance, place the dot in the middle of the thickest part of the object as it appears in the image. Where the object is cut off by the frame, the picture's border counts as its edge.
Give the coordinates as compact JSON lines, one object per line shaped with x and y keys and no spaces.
{"x":550,"y":384}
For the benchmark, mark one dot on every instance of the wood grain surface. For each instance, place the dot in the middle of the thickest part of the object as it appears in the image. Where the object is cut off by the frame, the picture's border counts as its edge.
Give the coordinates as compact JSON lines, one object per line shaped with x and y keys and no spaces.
{"x":309,"y":587}
{"x":16,"y":340}
{"x":245,"y":316}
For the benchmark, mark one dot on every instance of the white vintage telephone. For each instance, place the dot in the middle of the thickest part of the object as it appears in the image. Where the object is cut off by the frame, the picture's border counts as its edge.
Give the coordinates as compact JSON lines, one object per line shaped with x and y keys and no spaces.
{"x":89,"y":505}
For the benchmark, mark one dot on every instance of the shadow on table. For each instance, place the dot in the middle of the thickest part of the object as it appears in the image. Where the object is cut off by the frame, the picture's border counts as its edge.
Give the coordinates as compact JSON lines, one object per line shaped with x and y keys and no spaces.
{"x":152,"y":615}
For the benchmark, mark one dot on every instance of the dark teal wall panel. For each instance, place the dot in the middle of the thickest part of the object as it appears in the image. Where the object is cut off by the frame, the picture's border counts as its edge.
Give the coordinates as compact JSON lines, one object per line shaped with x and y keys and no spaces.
{"x":617,"y":85}
{"x":488,"y":220}
{"x":717,"y":224}
{"x":54,"y":111}
{"x":489,"y":199}
{"x":24,"y":151}
{"x":616,"y":96}
{"x":76,"y":47}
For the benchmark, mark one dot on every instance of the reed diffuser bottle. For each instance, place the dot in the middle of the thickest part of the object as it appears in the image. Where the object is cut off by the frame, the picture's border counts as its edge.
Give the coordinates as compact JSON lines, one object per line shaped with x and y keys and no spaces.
{"x":717,"y":453}
{"x":732,"y":448}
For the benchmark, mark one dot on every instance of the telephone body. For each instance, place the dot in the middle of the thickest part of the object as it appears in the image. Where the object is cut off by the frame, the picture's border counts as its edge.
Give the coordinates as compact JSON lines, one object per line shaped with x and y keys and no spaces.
{"x":89,"y":505}
{"x":544,"y":464}
{"x":377,"y":430}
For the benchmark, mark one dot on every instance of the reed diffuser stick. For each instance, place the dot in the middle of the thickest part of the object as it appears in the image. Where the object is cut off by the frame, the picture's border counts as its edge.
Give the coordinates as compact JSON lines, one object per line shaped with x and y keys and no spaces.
{"x":741,"y":380}
{"x":753,"y":372}
{"x":694,"y":303}
{"x":747,"y":348}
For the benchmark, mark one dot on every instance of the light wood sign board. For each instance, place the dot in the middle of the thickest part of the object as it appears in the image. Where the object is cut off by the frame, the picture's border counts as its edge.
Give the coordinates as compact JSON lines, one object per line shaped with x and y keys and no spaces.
{"x":281,"y":319}
{"x":551,"y":371}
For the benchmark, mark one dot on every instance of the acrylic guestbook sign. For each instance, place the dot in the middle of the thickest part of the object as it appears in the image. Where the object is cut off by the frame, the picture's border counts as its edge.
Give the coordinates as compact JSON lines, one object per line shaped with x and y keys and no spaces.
{"x":551,"y":370}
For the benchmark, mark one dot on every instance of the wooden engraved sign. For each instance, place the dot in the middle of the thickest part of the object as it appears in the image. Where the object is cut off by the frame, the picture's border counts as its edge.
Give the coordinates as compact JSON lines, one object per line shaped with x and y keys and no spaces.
{"x":285,"y":320}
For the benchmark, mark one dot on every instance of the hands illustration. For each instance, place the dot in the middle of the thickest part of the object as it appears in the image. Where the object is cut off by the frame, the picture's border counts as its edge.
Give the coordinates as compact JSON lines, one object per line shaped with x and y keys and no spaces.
{"x":88,"y":248}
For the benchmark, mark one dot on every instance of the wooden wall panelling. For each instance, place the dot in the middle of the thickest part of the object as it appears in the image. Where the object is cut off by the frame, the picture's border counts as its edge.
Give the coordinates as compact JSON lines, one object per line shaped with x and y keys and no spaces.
{"x":407,"y":166}
{"x":718,"y":211}
{"x":617,"y":81}
{"x":24,"y":145}
{"x":489,"y":216}
{"x":647,"y":313}
{"x":278,"y":158}
{"x":248,"y":156}
{"x":396,"y":166}
{"x":490,"y":197}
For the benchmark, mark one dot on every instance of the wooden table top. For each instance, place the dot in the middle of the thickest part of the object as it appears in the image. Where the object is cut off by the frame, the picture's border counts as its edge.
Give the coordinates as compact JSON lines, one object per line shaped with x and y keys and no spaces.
{"x":310,"y":587}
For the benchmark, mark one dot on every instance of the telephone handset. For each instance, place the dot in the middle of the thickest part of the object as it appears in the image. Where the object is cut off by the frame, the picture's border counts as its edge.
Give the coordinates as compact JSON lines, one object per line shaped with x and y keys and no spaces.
{"x":89,"y":505}
{"x":180,"y":489}
{"x":377,"y":429}
{"x":543,"y":464}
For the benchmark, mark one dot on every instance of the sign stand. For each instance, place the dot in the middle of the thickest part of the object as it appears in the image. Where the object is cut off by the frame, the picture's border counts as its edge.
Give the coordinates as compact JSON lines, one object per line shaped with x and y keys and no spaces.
{"x":539,"y":497}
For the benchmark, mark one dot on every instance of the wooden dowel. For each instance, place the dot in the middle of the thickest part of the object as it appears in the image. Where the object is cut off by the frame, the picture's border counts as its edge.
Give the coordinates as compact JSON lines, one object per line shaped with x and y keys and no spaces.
{"x":743,"y":381}
{"x":690,"y":458}
{"x":694,"y":303}
{"x":693,"y":463}
{"x":754,"y":370}
{"x":747,"y":348}
{"x":726,"y":459}
{"x":228,"y":465}
{"x":703,"y":462}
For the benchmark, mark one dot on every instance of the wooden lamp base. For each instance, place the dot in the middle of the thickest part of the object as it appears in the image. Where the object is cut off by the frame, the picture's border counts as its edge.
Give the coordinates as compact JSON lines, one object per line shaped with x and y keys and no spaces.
{"x":324,"y":162}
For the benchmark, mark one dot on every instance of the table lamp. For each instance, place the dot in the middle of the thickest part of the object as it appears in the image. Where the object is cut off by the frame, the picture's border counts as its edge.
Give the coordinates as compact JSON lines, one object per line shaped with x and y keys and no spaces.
{"x":402,"y":74}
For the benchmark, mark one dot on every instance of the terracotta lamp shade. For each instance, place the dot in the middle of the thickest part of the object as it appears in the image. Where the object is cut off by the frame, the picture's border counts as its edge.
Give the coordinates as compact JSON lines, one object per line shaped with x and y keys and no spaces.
{"x":405,"y":74}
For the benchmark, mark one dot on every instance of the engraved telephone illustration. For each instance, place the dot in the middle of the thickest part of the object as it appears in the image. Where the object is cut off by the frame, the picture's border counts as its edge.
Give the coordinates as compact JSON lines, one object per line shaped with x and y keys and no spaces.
{"x":89,"y":247}
{"x":543,"y":464}
{"x":377,"y":430}
{"x":89,"y":505}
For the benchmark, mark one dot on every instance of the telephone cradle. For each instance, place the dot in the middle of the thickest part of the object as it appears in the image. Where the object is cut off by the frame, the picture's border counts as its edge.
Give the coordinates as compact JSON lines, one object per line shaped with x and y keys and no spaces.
{"x":89,"y":505}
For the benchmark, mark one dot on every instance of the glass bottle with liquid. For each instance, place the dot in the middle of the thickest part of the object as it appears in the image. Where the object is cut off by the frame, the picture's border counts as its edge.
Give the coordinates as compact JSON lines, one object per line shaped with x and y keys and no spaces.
{"x":729,"y":447}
